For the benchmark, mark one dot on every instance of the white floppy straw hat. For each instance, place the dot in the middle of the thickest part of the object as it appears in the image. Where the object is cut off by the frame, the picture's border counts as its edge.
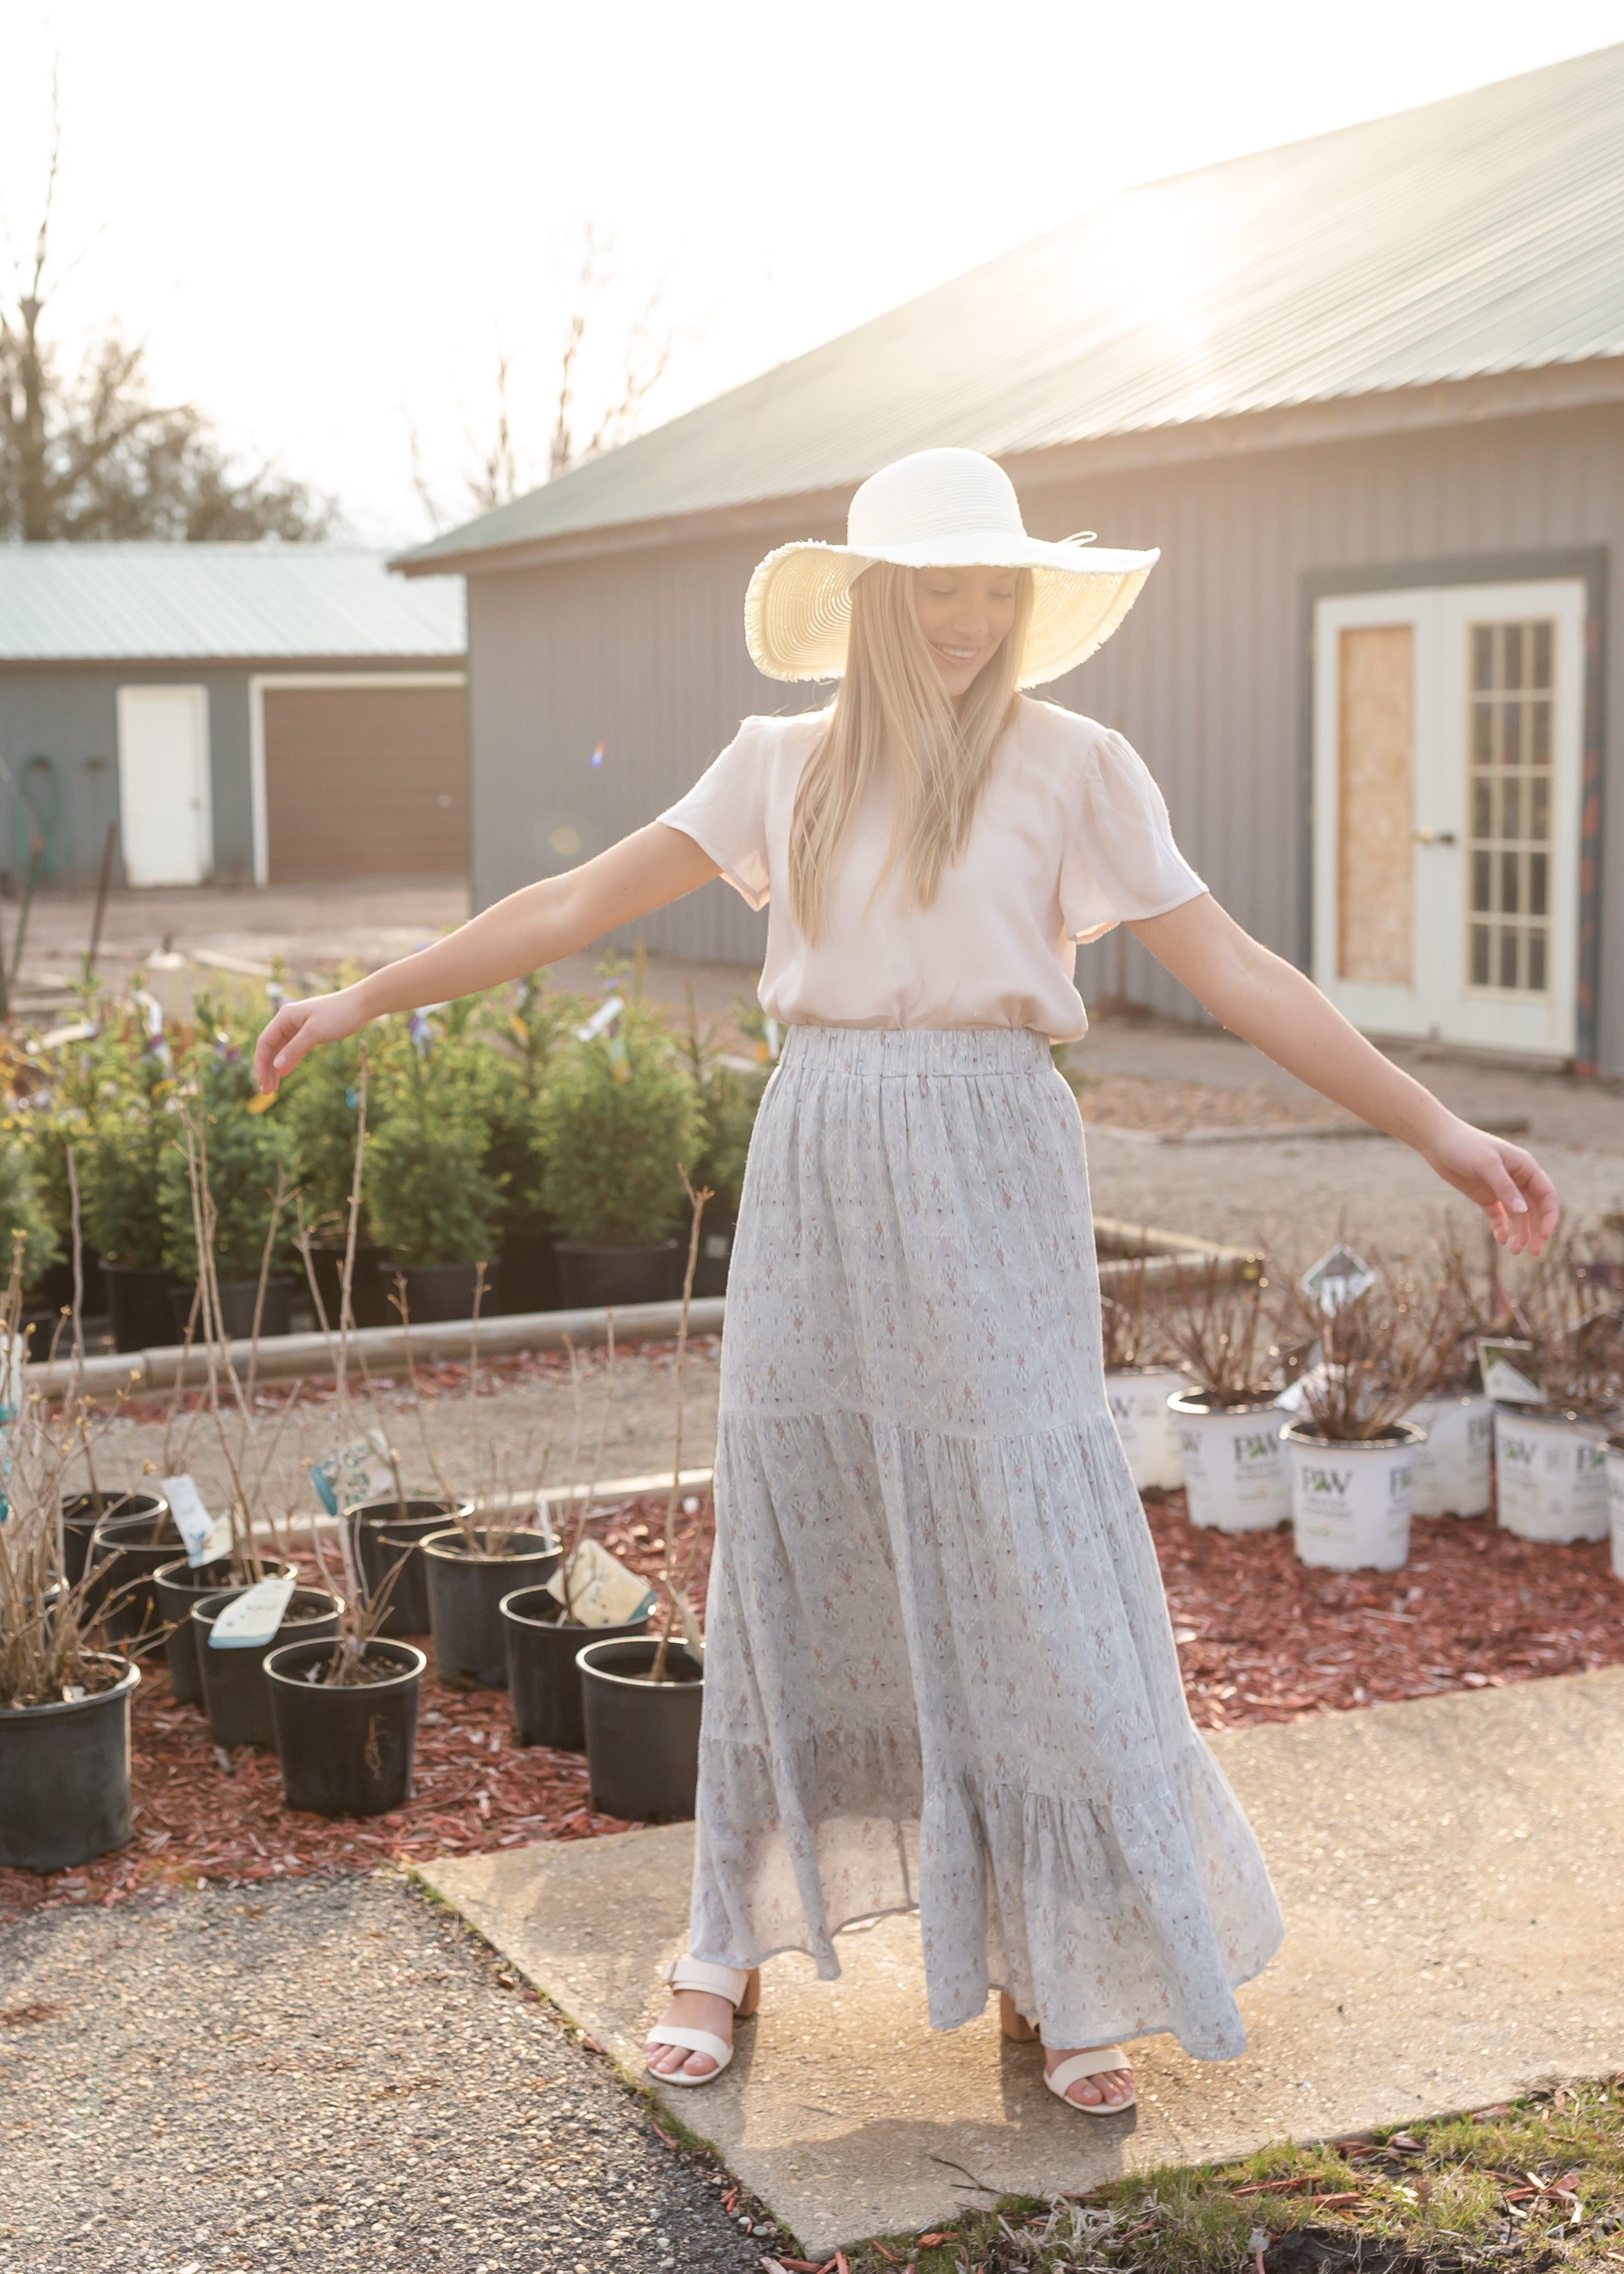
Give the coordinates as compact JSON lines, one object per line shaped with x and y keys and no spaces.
{"x":936,"y":510}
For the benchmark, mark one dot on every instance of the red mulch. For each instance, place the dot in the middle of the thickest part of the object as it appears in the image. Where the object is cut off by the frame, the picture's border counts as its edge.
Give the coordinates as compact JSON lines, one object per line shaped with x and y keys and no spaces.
{"x":1262,"y":1639}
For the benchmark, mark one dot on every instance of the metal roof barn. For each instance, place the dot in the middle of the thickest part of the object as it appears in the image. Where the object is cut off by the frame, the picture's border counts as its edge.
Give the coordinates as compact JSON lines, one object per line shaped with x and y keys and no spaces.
{"x":1365,"y":391}
{"x":235,"y":712}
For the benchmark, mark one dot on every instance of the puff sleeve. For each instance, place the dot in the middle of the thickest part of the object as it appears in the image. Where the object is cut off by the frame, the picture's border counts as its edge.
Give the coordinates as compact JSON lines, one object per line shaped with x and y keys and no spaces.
{"x":726,"y":811}
{"x":1120,"y":863}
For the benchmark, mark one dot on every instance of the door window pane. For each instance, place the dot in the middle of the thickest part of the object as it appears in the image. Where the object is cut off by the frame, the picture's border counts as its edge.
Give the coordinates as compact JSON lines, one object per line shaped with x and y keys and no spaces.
{"x":1509,"y":695}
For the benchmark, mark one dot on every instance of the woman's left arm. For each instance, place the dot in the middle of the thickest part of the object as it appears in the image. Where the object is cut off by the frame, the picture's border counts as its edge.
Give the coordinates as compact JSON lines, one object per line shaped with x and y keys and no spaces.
{"x":1257,"y":995}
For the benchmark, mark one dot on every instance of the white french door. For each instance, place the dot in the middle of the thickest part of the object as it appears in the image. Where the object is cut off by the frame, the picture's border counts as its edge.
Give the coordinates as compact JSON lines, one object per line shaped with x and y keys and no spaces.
{"x":1448,"y":736}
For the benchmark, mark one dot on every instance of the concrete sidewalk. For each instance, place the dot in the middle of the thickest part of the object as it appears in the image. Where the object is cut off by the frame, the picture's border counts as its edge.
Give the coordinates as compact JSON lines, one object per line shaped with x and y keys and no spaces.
{"x":1452,"y":1872}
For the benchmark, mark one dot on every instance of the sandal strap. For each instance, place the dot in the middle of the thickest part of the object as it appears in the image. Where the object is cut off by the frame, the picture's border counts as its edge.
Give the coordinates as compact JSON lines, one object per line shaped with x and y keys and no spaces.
{"x":729,"y":1982}
{"x":693,"y":2041}
{"x":1065,"y":2074}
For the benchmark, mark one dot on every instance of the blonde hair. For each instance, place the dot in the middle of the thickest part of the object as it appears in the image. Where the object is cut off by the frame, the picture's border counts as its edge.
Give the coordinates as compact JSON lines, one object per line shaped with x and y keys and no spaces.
{"x":893,"y":711}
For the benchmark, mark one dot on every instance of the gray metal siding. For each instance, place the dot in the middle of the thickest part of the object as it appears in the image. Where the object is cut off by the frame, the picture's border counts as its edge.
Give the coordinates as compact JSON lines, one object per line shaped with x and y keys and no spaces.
{"x":645,"y":651}
{"x":70,"y":716}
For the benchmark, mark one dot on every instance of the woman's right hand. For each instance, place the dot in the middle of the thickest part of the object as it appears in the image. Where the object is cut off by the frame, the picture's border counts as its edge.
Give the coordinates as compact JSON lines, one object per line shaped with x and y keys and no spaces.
{"x":298,"y":1026}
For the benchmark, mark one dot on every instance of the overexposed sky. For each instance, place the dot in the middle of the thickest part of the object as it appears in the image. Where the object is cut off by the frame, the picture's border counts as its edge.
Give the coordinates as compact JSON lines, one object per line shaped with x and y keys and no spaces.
{"x":328,"y":221}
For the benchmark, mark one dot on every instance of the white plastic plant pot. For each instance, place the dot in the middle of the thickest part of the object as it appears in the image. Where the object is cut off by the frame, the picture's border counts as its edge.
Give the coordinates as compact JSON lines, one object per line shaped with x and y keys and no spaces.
{"x":1234,"y":1470}
{"x":1350,"y":1500}
{"x":1615,"y":1500}
{"x":1549,"y":1474}
{"x":1452,"y":1466}
{"x":1138,"y":1396}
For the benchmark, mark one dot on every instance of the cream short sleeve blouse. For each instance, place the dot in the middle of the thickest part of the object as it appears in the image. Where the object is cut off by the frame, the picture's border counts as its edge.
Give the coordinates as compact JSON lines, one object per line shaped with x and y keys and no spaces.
{"x":1071,"y":837}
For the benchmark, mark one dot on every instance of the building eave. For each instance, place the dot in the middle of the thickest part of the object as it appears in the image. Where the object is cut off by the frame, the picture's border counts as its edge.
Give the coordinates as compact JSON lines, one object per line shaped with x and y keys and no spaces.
{"x":1517,"y":394}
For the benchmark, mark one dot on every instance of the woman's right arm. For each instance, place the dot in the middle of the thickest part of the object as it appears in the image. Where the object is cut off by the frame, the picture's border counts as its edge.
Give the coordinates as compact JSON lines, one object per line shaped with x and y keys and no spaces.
{"x":556,"y":917}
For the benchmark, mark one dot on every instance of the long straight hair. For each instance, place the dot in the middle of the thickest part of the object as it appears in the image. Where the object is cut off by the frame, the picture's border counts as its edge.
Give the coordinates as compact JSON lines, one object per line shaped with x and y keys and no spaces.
{"x":892,"y":712}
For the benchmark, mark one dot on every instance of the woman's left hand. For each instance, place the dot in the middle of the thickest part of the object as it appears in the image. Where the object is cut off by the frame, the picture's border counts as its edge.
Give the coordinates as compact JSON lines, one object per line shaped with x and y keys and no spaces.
{"x":1507,"y":1184}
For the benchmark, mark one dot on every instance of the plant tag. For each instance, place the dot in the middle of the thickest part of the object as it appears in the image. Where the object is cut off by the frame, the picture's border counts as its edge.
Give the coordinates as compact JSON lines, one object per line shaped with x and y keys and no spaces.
{"x":601,"y":1020}
{"x":192,"y":1520}
{"x":359,"y":1471}
{"x":1340,"y":1277}
{"x":1507,"y":1365}
{"x":218,"y":1545}
{"x":602,"y":1593}
{"x":253,"y":1617}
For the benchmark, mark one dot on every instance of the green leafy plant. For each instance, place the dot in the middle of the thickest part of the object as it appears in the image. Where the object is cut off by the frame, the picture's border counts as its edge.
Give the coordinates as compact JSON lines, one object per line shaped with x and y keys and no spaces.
{"x":247,"y":1155}
{"x":132,"y":1125}
{"x":428,"y":1193}
{"x":317,"y":1110}
{"x":521,"y":1028}
{"x":22,"y":1218}
{"x":729,"y":1099}
{"x":620,"y":1118}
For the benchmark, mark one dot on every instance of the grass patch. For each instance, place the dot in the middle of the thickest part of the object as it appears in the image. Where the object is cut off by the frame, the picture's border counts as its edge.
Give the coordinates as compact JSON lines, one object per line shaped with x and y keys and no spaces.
{"x":1537,"y":2183}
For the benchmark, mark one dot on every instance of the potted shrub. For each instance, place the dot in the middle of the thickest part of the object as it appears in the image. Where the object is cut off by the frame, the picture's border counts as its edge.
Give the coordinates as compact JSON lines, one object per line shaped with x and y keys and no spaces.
{"x":619,"y":1117}
{"x":385,"y":1539}
{"x":82,"y":1511}
{"x":432,"y":1203}
{"x":1453,"y":1462}
{"x":127,"y":1548}
{"x":643,"y":1696}
{"x":1550,"y":1457}
{"x":522,"y":1028}
{"x":24,"y":1226}
{"x":65,"y":1706}
{"x":132,"y":1126}
{"x":1351,"y":1452}
{"x":57,"y":1092}
{"x":235,"y":1694}
{"x":320,"y":1113}
{"x":729,"y":1100}
{"x":1228,"y":1422}
{"x":471,"y":1565}
{"x":1141,"y":1378}
{"x":344,"y":1711}
{"x":230,"y":1161}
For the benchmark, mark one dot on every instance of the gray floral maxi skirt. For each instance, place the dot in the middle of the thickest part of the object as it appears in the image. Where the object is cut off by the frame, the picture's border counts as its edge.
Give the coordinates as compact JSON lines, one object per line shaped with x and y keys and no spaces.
{"x":939,"y":1671}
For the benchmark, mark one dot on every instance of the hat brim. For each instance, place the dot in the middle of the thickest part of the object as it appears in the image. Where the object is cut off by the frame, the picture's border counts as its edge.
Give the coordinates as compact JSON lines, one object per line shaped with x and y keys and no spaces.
{"x":798,"y":609}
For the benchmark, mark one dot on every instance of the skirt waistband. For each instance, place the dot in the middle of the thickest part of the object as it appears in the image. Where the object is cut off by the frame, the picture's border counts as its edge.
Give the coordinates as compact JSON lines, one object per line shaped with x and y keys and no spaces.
{"x":889,"y":1050}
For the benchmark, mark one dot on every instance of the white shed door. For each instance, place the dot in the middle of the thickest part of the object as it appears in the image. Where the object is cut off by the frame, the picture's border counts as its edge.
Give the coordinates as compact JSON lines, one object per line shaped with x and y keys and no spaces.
{"x":166,"y":816}
{"x":1448,"y":736}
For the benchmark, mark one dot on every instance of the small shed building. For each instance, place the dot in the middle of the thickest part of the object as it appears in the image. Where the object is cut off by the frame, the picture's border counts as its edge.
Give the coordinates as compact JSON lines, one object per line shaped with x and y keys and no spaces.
{"x":240,"y":714}
{"x":1366,"y":391}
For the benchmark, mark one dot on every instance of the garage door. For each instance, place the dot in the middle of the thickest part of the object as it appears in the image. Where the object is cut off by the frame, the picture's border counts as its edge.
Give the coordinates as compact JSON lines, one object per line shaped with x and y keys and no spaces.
{"x":365,"y":781}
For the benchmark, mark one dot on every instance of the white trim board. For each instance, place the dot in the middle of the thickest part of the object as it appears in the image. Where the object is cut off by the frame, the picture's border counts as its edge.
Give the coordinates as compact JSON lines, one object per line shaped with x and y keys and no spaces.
{"x":258,"y":684}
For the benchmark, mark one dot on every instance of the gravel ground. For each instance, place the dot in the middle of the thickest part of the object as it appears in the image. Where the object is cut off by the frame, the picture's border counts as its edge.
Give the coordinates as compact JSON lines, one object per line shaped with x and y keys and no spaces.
{"x":394,"y":2104}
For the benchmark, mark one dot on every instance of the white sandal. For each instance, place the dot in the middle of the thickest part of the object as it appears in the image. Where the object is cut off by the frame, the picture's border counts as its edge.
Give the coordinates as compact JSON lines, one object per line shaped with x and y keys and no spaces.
{"x":1067,"y":2073}
{"x":742,"y":1993}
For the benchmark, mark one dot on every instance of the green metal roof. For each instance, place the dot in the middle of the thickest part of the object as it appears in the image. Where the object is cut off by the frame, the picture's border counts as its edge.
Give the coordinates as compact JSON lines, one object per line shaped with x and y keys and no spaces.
{"x":1476,"y":235}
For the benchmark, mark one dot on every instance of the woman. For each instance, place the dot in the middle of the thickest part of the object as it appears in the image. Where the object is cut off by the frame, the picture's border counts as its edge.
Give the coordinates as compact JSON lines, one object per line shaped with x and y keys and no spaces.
{"x":939,"y":1672}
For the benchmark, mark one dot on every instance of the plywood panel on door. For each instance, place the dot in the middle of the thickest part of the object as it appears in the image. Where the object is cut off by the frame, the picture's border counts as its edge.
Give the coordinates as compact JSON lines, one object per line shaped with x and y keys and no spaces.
{"x":365,"y":781}
{"x":1375,"y":898}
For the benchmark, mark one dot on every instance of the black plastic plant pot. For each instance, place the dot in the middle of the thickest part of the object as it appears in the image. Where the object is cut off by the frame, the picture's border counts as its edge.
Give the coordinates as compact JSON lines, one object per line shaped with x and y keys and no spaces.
{"x":345,"y":1752}
{"x":716,"y":1253}
{"x":175,"y":1587}
{"x":369,"y":1296}
{"x":64,"y":1777}
{"x":439,"y":1294}
{"x":235,"y":1695}
{"x":594,"y":1278}
{"x":529,"y":1270}
{"x":54,"y":1290}
{"x":642,"y":1737}
{"x":465,"y":1599}
{"x":387,"y":1533}
{"x":81,"y":1512}
{"x":124,"y":1552}
{"x":137,"y":1305}
{"x":237,"y":1299}
{"x":543,"y":1678}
